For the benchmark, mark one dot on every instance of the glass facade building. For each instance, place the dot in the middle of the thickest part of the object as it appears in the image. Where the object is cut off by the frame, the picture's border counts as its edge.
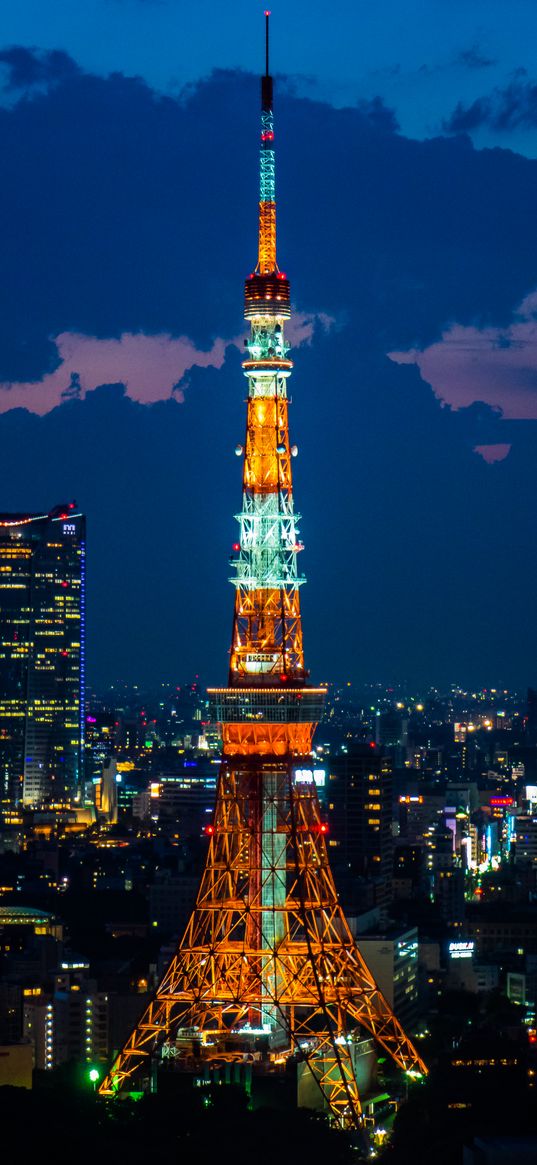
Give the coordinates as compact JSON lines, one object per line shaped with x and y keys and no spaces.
{"x":42,"y":631}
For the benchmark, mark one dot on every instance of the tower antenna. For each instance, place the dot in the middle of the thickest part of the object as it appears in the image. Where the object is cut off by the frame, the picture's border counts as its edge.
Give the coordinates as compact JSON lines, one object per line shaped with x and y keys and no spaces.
{"x":266,"y":262}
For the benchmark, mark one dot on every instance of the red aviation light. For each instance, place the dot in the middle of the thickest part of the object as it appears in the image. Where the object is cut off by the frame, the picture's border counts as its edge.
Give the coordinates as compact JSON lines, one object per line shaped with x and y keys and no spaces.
{"x":236,"y":546}
{"x":323,"y":828}
{"x":209,"y":830}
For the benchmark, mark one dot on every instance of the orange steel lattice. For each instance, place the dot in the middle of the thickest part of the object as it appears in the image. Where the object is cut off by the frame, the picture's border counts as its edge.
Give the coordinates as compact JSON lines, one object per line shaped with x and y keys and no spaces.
{"x":267,"y":971}
{"x":267,"y":238}
{"x":267,"y":946}
{"x":267,"y":430}
{"x":267,"y":622}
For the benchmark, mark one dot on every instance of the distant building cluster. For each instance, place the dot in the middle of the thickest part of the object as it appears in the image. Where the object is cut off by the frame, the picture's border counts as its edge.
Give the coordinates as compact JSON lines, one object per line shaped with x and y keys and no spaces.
{"x":430,"y":809}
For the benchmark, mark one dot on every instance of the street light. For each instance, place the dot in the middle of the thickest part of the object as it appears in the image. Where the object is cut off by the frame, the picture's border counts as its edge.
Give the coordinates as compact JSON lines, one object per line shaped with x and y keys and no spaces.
{"x":94,"y":1076}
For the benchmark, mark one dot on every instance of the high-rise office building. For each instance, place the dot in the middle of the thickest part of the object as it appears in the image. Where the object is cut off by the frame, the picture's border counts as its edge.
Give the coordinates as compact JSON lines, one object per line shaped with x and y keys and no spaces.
{"x":42,"y":577}
{"x":359,"y":804}
{"x":70,"y":1023}
{"x":531,"y":716}
{"x":393,"y":960}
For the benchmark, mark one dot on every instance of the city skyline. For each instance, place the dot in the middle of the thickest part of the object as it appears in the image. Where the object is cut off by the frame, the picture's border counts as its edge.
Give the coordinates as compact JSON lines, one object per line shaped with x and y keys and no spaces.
{"x":278,"y":903}
{"x":418,"y":534}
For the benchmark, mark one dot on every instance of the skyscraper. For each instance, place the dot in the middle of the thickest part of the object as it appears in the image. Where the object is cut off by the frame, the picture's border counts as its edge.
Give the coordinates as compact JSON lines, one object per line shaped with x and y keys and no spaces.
{"x":42,"y":586}
{"x":359,"y":800}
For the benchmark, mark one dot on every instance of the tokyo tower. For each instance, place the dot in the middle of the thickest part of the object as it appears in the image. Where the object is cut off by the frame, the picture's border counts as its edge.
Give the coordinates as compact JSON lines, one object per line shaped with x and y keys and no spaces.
{"x":267,"y":975}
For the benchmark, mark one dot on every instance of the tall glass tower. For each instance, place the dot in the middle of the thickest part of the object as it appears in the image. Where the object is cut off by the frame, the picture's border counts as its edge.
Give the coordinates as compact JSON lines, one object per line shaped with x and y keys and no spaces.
{"x":42,"y":589}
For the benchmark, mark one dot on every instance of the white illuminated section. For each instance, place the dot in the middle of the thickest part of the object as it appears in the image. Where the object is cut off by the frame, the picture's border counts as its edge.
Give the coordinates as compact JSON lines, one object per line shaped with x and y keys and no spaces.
{"x":259,"y":661}
{"x":269,"y":543}
{"x":311,"y":776}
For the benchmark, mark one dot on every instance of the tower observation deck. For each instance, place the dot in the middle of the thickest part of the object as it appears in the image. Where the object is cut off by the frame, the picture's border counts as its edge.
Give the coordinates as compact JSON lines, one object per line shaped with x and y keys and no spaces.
{"x":267,"y":976}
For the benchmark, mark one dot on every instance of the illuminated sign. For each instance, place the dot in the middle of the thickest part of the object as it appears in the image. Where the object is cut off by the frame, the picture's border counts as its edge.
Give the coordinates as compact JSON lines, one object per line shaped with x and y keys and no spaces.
{"x":259,"y":661}
{"x":69,"y":528}
{"x":501,"y":802}
{"x":407,"y":799}
{"x":461,"y":950}
{"x":308,"y":776}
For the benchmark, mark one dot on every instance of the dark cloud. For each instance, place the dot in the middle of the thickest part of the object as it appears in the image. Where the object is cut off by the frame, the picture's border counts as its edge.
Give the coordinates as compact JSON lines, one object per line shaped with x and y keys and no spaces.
{"x":474,"y":58}
{"x":127,"y":211}
{"x":130,"y":211}
{"x":380,"y":117}
{"x":465,"y":118}
{"x":401,"y":520}
{"x":27,"y":67}
{"x":504,"y":110}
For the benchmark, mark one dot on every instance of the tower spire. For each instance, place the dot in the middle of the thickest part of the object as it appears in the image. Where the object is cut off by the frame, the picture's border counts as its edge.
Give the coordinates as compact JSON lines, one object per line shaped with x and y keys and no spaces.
{"x":267,"y":19}
{"x":267,"y":172}
{"x":267,"y":631}
{"x":267,"y":975}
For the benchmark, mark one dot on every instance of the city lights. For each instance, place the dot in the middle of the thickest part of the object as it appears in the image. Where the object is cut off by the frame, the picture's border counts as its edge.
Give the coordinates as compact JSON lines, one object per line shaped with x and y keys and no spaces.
{"x":283,"y":912}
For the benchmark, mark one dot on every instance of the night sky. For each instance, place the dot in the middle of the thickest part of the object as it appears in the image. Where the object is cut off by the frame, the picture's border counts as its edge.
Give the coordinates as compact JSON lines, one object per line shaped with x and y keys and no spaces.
{"x":407,"y":223}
